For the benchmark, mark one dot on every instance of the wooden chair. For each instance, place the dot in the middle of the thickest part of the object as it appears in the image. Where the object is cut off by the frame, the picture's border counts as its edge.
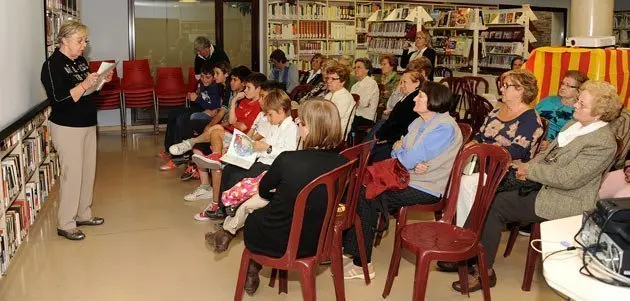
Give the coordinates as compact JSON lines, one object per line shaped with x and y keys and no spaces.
{"x":401,"y":215}
{"x":442,"y":240}
{"x":335,"y":182}
{"x":299,"y":91}
{"x":442,"y":72}
{"x":473,"y":83}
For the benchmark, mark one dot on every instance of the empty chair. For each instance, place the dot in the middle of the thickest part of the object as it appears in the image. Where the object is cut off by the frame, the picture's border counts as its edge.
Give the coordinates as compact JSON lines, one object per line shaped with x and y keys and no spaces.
{"x":138,"y":88}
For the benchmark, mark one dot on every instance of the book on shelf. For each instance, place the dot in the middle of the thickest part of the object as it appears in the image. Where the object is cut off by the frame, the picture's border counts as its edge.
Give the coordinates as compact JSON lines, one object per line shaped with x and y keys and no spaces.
{"x":342,"y":31}
{"x":463,"y":45}
{"x":32,"y":193}
{"x":314,"y":10}
{"x":340,"y":12}
{"x":514,"y":48}
{"x":340,"y":47}
{"x":281,"y":10}
{"x":503,"y":34}
{"x":490,"y":17}
{"x":386,"y":46}
{"x":11,"y":178}
{"x":281,"y":30}
{"x":287,"y":48}
{"x":4,"y":260}
{"x":392,"y":29}
{"x":312,"y":30}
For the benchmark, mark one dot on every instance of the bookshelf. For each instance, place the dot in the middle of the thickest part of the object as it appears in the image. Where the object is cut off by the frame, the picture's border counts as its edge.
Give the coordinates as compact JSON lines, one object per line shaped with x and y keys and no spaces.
{"x":29,"y":167}
{"x":507,"y":36}
{"x":621,"y":28}
{"x":58,"y":11}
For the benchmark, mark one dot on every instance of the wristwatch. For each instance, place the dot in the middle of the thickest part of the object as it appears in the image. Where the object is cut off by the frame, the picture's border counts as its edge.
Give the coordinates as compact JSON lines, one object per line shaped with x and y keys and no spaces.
{"x":269,"y":150}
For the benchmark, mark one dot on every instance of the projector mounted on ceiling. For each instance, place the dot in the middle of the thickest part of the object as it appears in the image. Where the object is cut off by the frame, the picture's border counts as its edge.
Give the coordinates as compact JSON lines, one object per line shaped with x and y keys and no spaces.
{"x":590,"y":42}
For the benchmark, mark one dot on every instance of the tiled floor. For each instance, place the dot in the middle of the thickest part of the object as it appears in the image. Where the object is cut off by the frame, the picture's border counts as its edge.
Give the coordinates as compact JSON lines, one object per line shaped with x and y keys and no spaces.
{"x":151,"y":248}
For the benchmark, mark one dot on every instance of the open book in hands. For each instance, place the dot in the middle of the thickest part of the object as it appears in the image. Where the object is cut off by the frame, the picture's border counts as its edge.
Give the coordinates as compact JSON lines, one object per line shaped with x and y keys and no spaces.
{"x":105,"y":68}
{"x":241,"y":151}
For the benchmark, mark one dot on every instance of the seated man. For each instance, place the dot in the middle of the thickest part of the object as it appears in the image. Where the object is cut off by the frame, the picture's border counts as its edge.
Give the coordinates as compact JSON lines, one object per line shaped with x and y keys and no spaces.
{"x":243,"y":110}
{"x":283,"y":71}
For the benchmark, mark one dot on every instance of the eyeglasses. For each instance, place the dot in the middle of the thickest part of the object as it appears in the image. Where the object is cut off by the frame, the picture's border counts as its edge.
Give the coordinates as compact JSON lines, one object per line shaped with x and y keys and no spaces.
{"x":81,"y":41}
{"x":567,"y":85}
{"x":506,"y":86}
{"x":581,"y":104}
{"x":332,"y":78}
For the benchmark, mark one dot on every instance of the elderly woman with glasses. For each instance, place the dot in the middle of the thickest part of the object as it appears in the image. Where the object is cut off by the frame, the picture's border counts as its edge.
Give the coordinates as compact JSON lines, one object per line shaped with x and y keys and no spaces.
{"x":570,"y":172}
{"x":70,"y":89}
{"x":336,"y":77}
{"x":422,"y":47}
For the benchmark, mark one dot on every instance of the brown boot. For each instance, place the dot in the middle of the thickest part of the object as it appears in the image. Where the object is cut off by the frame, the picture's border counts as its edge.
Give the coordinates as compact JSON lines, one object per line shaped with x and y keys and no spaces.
{"x":222,"y":241}
{"x":474,"y":282}
{"x":210,"y":238}
{"x":253,"y":279}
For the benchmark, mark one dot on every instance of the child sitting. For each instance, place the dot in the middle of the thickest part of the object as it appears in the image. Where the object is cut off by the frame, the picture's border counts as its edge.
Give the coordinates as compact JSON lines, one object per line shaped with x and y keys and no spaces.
{"x":281,"y":137}
{"x":243,"y":110}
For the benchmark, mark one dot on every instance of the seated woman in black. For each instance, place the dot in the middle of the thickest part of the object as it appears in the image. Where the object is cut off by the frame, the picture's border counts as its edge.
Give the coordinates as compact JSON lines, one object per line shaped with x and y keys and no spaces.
{"x":402,"y":114}
{"x":267,"y":229}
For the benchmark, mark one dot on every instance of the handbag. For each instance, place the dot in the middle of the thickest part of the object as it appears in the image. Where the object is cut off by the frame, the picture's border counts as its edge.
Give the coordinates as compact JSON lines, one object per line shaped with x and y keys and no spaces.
{"x":241,"y":192}
{"x":511,"y":182}
{"x":384,"y":175}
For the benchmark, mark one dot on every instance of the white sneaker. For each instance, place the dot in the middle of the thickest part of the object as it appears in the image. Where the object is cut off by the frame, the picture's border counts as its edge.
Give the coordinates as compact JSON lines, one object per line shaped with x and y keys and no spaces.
{"x":211,"y":161}
{"x":351,"y":271}
{"x":180,"y":148}
{"x":199,"y":194}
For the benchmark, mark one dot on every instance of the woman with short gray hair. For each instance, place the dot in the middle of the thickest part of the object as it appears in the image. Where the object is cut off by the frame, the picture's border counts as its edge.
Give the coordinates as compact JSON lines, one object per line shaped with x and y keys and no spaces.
{"x":66,"y":78}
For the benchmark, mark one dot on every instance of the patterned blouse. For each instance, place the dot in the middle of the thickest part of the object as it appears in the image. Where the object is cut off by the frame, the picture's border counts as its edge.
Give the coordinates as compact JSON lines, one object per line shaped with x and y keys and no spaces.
{"x":518,"y":136}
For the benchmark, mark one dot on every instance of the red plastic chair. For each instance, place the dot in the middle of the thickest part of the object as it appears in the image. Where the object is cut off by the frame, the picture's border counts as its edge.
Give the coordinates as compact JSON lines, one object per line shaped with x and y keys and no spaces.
{"x":479,"y":109}
{"x":110,"y":96}
{"x":349,"y":217}
{"x":442,"y":240}
{"x":401,"y":215}
{"x":138,"y":88}
{"x":170,"y":88}
{"x":192,"y":80}
{"x":336,"y":182}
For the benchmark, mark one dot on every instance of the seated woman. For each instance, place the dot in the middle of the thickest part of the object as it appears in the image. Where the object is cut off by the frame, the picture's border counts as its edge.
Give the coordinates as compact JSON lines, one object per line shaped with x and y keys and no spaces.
{"x":367,"y":89}
{"x":314,"y":76}
{"x":320,"y":89}
{"x":433,"y":138}
{"x":336,"y":77}
{"x":617,"y":183}
{"x":558,"y":110}
{"x":515,"y":126}
{"x":402,"y":113}
{"x":267,"y":229}
{"x":570,"y":172}
{"x":389,"y":79}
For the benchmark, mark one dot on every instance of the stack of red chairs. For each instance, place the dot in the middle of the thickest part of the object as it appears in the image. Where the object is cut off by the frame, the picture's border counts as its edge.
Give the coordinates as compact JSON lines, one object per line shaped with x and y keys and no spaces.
{"x":192,"y":80}
{"x":170,"y":88}
{"x":138,"y":88}
{"x":109,"y":98}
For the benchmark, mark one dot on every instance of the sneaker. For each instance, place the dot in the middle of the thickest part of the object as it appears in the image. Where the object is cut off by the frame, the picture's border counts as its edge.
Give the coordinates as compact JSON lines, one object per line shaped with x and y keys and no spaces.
{"x":180,"y":148}
{"x":212,"y":161}
{"x":196,"y":175}
{"x":201,"y":216}
{"x":525,"y":230}
{"x":199,"y":194}
{"x":163,"y":155}
{"x":189,"y":173}
{"x":351,"y":271}
{"x":169,"y":165}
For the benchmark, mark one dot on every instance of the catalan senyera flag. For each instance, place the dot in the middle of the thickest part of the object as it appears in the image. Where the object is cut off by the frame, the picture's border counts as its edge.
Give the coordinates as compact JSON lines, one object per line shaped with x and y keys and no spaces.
{"x":549,"y":64}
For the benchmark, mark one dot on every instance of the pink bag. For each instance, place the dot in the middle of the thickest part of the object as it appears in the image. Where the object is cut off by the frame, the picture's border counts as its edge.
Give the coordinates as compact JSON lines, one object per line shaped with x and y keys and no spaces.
{"x":241,"y":192}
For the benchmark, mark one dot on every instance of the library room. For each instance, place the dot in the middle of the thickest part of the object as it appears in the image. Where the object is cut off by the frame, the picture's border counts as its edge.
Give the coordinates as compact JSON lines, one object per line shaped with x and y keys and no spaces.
{"x":315,"y":150}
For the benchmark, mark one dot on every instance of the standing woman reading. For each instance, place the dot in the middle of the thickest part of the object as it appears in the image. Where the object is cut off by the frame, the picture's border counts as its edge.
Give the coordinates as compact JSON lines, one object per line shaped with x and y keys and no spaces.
{"x":66,"y":77}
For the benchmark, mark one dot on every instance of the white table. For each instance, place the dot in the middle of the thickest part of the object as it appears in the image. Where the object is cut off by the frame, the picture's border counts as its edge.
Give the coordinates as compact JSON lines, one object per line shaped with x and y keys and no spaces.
{"x":562,"y":270}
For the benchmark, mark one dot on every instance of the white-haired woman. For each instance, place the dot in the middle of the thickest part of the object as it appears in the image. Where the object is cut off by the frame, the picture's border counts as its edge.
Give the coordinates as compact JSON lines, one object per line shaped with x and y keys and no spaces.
{"x":66,"y":78}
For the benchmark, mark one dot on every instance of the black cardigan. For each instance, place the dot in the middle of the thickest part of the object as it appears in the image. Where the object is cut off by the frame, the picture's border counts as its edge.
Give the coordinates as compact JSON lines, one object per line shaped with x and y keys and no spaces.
{"x":218,"y":55}
{"x":267,"y":229}
{"x":399,"y":119}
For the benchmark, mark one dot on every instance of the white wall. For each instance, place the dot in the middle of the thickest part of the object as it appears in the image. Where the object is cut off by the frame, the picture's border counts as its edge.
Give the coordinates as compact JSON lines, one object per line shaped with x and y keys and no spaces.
{"x":21,"y":57}
{"x":109,"y":39}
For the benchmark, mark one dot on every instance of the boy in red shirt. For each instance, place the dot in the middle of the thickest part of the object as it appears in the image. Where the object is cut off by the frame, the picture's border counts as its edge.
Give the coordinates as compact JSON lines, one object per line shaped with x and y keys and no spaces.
{"x":244,"y":109}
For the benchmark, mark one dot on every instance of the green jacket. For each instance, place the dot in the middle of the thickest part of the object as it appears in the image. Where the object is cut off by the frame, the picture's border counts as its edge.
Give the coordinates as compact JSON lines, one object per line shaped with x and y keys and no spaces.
{"x":571,"y":181}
